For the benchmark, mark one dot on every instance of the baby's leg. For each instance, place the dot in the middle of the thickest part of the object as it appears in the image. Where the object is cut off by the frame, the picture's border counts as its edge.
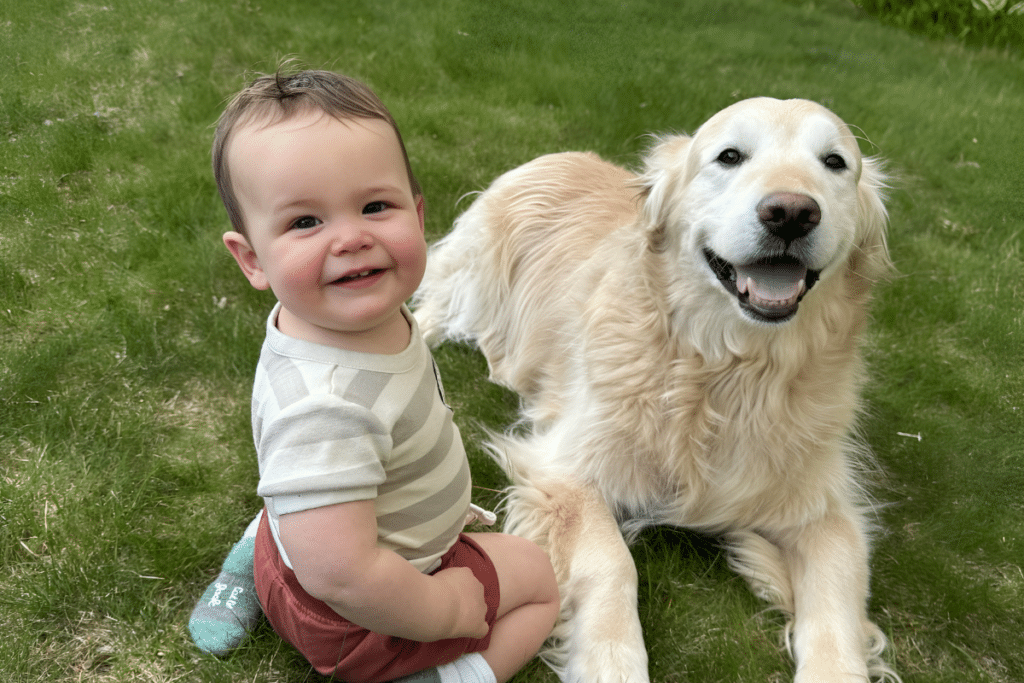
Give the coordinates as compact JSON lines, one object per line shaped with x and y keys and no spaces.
{"x":529,"y":602}
{"x":229,"y":608}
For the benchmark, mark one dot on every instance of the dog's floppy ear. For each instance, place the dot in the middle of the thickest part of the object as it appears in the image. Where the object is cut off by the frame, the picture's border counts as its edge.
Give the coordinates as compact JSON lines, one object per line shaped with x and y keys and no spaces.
{"x":664,"y":168}
{"x":870,"y":259}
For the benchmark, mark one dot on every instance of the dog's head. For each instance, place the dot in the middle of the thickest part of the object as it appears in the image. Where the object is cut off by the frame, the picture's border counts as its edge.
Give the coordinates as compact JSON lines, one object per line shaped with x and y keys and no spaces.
{"x":769,"y":197}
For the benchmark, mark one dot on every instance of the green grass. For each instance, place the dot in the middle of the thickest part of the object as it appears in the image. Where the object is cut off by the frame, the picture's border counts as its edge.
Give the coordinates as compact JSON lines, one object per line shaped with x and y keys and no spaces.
{"x":128,"y":338}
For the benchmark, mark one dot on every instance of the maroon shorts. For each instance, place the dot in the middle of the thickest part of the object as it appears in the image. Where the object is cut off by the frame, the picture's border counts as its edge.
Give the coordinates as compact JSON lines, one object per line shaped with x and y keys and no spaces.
{"x":336,"y":646}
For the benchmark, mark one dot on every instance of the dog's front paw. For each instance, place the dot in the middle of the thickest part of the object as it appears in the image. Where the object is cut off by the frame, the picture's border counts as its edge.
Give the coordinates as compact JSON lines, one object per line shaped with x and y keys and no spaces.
{"x":831,"y":672}
{"x":608,"y":662}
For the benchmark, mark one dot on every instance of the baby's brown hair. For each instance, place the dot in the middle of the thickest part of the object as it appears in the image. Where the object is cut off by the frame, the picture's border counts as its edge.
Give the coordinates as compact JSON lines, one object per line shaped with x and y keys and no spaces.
{"x":274,"y":98}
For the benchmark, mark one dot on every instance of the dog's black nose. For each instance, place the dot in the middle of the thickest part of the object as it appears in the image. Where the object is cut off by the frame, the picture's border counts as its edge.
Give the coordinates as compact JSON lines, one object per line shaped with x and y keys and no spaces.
{"x":788,"y":215}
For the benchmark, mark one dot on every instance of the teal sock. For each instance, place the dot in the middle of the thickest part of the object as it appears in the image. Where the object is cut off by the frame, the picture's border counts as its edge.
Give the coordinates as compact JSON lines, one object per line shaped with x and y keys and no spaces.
{"x":229,"y":608}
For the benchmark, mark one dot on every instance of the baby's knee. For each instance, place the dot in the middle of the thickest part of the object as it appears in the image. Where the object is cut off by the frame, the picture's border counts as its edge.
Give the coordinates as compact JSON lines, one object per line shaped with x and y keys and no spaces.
{"x":522,"y":565}
{"x":539,"y":564}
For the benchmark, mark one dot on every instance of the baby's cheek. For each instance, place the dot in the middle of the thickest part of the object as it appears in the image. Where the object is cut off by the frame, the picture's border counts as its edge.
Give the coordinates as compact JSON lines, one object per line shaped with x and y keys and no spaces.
{"x":305,"y":271}
{"x":412,"y":255}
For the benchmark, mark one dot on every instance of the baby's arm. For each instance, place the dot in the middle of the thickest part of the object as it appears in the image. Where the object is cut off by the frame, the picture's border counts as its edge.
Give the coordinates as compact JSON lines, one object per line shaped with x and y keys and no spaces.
{"x":334,"y":553}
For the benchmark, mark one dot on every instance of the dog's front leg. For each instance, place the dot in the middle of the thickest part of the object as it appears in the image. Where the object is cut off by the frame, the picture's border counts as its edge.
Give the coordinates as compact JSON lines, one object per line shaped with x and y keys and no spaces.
{"x":599,"y":639}
{"x":831,"y":635}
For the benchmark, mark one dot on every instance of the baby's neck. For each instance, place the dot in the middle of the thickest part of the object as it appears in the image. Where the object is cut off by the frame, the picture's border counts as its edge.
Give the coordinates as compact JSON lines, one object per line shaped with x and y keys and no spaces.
{"x":390,"y":337}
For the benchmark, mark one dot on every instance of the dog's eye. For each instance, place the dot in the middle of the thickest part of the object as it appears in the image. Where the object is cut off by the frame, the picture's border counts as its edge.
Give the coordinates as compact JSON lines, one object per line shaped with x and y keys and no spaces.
{"x":730,"y":157}
{"x":835,"y":162}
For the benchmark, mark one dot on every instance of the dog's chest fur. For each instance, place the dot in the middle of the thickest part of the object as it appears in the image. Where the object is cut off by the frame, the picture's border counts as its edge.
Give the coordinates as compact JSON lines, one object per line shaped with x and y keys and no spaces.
{"x":754,"y":424}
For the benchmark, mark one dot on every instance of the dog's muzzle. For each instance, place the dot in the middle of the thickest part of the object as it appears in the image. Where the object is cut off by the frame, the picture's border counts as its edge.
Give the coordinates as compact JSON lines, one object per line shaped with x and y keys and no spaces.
{"x":768,"y":290}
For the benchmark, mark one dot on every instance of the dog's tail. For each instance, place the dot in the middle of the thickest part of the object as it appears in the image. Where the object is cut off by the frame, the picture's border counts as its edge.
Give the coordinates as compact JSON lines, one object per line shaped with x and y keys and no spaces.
{"x":440,"y":298}
{"x":452,"y":297}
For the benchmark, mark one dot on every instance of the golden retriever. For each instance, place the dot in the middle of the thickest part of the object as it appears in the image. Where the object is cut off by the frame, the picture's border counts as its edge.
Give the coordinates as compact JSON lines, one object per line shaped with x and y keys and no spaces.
{"x":685,"y":342}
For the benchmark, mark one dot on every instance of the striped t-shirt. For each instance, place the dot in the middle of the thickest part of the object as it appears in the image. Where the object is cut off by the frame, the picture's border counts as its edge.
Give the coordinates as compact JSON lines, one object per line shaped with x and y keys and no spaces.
{"x":334,"y":426}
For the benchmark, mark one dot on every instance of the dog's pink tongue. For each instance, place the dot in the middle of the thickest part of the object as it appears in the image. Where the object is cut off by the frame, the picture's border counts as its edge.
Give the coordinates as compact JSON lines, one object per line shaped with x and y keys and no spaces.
{"x":771,"y":283}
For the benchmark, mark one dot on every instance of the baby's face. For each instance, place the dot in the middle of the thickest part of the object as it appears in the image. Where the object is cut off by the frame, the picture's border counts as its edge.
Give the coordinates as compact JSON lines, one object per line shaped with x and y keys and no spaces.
{"x":335,"y":229}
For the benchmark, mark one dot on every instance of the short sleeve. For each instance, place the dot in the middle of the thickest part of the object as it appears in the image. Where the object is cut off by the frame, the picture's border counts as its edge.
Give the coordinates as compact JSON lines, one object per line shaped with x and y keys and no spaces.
{"x":319,"y":451}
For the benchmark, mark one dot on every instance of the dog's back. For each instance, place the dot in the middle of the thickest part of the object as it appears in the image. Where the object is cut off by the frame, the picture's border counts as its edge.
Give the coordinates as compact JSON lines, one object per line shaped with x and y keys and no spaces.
{"x":500,"y":275}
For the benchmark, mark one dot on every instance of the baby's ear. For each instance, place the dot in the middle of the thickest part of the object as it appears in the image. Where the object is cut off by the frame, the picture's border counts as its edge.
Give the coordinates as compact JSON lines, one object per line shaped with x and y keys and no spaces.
{"x":421,"y":211}
{"x":247,"y":260}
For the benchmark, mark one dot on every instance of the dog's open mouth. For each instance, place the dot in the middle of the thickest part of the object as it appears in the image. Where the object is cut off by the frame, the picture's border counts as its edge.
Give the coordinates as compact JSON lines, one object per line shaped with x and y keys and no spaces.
{"x":768,"y":290}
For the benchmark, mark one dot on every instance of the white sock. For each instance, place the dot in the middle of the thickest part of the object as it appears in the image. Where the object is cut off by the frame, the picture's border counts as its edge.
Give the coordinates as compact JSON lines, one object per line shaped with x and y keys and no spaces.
{"x":471,"y":668}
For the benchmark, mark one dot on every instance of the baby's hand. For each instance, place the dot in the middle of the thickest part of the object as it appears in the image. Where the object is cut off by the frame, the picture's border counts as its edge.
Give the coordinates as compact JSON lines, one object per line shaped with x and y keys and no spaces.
{"x":472,"y":617}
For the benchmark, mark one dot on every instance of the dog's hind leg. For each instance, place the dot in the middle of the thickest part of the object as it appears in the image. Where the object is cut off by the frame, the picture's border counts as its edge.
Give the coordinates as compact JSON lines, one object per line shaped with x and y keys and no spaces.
{"x":598,"y":638}
{"x":761,"y":563}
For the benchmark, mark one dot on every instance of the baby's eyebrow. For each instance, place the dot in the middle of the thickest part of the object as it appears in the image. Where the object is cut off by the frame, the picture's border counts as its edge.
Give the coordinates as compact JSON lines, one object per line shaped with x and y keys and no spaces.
{"x":375,"y":189}
{"x":292,"y":204}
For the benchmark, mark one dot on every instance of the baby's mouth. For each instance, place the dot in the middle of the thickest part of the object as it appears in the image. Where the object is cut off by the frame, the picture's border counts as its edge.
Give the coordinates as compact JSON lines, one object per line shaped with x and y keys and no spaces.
{"x":358,"y":276}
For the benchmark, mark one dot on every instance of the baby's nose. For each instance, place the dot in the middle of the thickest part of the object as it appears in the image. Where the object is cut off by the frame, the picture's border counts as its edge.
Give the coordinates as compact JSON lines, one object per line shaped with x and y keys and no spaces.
{"x":349,"y":238}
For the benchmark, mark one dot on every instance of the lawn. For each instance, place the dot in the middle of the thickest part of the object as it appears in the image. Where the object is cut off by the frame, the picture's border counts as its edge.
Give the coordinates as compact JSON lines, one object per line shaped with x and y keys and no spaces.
{"x":128,"y":338}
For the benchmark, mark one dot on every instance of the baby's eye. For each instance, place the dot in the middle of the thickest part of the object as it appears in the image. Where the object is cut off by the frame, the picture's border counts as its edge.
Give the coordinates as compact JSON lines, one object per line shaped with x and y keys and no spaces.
{"x":374,"y":207}
{"x":305,"y":223}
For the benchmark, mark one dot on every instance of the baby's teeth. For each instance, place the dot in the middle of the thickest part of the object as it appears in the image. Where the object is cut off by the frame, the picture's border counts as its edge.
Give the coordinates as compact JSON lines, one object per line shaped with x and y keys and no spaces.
{"x":362,"y":274}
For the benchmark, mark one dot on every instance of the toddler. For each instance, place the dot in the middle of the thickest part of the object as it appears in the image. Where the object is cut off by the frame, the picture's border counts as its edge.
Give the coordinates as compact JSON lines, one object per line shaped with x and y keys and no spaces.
{"x":359,"y":558}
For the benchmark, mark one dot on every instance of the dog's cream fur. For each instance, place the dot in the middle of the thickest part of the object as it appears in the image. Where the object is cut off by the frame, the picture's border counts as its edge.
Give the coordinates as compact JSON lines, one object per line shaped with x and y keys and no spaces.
{"x":651,"y":396}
